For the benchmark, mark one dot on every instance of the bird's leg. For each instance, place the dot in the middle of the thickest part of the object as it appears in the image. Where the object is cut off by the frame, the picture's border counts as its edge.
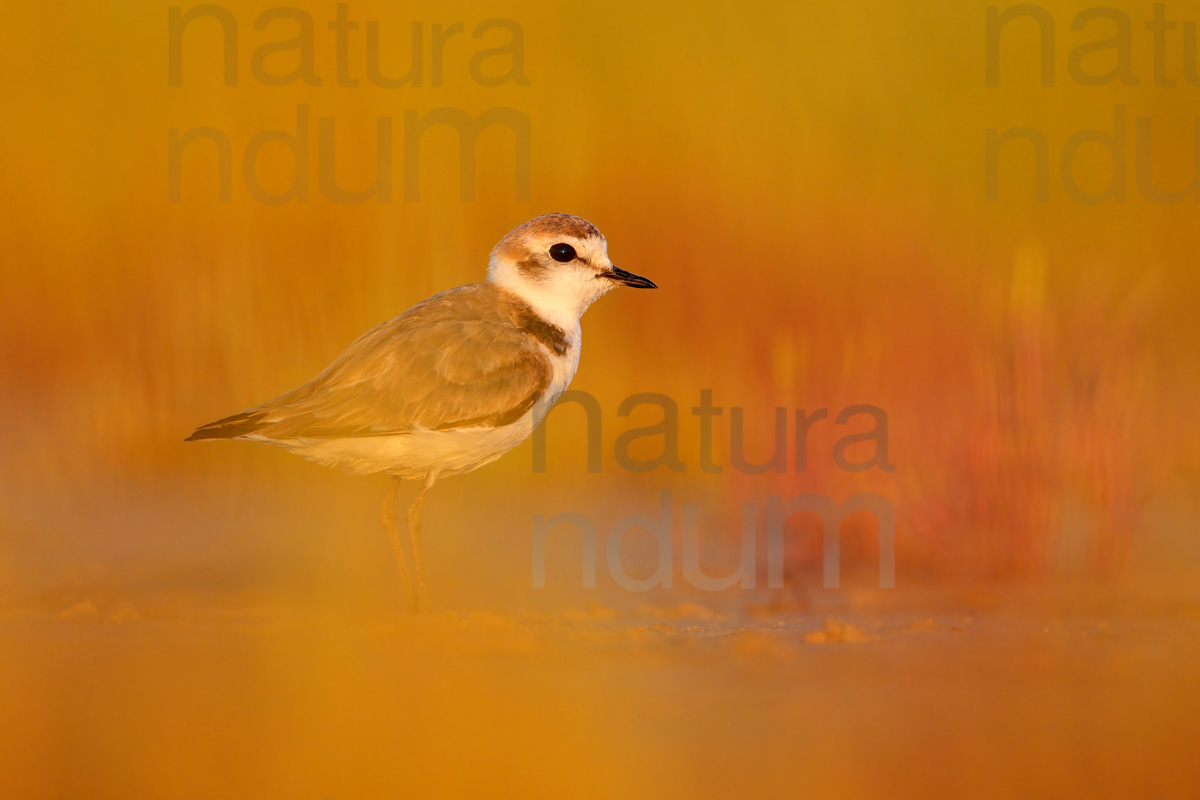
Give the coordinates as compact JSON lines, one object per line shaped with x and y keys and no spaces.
{"x":414,"y":532}
{"x":389,"y":519}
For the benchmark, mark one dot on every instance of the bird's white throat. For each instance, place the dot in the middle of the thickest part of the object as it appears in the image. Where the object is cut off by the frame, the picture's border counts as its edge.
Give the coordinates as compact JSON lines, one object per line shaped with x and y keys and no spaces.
{"x":560,"y":298}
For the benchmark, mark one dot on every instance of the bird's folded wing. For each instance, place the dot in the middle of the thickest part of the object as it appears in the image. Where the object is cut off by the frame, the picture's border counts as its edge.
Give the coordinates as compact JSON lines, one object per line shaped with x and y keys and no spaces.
{"x":444,"y":364}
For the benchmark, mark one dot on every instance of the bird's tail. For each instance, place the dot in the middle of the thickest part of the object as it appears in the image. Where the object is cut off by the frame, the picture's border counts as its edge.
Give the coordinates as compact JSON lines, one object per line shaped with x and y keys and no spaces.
{"x":231,"y":427}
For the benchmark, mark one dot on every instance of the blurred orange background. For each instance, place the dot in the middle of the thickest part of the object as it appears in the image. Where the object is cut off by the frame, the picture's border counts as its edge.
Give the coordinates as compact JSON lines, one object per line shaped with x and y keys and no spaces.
{"x":806,"y":183}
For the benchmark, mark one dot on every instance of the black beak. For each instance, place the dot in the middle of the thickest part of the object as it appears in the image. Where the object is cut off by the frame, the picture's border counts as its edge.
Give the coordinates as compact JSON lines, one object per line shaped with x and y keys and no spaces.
{"x":624,"y":278}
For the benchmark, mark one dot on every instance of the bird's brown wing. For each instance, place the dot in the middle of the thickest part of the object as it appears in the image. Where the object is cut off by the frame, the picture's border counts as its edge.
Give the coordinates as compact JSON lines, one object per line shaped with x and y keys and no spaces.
{"x":458,"y":359}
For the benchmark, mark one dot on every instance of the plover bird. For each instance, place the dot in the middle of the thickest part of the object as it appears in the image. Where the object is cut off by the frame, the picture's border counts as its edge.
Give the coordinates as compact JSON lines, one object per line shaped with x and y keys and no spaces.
{"x":454,"y":382}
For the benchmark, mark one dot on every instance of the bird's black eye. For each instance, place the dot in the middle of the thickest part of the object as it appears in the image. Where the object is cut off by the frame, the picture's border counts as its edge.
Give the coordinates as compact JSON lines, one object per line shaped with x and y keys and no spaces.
{"x":562,"y":252}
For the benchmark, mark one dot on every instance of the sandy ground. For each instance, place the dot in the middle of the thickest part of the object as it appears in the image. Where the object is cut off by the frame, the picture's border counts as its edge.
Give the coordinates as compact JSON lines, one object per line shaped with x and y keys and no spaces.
{"x":677,"y":702}
{"x":249,"y":655}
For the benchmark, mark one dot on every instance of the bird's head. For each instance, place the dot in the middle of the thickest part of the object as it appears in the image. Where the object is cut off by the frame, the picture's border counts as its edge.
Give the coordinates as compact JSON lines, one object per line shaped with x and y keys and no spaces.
{"x":559,"y":264}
